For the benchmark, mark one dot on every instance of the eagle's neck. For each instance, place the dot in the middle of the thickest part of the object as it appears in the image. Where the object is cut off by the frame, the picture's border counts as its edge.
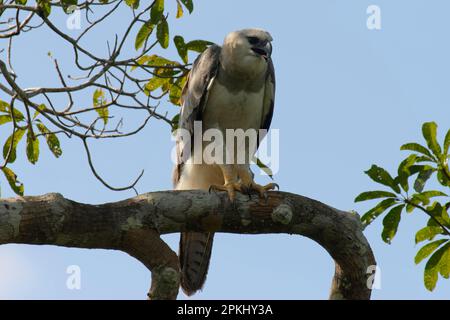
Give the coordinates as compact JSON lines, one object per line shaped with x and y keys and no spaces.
{"x":238,"y":67}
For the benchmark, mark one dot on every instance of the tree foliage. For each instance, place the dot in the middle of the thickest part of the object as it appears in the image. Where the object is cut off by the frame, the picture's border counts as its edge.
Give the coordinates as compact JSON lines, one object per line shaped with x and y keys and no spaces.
{"x":137,"y":82}
{"x":408,"y":193}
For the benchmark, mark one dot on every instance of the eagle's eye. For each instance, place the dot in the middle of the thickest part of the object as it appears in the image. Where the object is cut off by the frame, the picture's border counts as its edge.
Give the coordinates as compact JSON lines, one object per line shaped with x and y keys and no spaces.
{"x":253,"y":40}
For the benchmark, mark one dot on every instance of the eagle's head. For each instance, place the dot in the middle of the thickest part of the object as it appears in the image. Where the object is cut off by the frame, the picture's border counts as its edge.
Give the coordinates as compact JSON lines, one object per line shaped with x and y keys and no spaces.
{"x":247,"y":50}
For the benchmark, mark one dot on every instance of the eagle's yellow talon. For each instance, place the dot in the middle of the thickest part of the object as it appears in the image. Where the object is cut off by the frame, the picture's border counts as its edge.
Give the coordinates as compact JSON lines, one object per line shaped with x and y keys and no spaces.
{"x":262,"y":190}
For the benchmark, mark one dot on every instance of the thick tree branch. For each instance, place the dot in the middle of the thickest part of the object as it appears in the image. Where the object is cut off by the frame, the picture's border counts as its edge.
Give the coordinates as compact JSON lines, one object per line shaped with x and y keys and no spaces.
{"x":134,"y":226}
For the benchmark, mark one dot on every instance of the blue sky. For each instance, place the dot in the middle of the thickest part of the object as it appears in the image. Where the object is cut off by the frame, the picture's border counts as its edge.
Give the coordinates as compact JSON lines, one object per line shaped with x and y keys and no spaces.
{"x":347,"y":97}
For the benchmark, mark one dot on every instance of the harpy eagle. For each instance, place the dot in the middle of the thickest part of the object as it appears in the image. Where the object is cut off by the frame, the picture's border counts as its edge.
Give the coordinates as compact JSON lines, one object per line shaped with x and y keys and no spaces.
{"x":229,"y":87}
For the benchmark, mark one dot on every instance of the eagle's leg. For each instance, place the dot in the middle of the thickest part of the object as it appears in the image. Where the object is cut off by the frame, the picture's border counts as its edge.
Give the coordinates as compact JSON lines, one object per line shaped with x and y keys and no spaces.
{"x":231,"y":183}
{"x":240,"y":178}
{"x":248,"y":185}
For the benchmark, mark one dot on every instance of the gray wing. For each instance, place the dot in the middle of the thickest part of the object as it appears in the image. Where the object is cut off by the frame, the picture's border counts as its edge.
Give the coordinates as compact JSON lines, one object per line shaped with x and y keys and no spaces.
{"x":193,"y":98}
{"x":269,"y":97}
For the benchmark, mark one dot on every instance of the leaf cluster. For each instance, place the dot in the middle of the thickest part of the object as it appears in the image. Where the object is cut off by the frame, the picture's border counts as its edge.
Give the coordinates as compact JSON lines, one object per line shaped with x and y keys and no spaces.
{"x":407,"y":193}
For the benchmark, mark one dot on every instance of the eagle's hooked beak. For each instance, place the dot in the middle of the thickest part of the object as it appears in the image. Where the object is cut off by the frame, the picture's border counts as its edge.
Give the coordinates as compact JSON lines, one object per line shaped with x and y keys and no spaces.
{"x":264,"y":49}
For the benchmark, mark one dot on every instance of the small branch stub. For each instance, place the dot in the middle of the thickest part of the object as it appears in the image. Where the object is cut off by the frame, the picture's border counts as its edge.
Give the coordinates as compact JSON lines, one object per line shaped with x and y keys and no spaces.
{"x":282,"y":214}
{"x":165,"y":283}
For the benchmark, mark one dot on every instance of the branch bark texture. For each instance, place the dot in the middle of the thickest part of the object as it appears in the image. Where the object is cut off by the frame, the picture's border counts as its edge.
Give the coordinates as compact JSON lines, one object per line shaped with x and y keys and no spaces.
{"x":135,"y":225}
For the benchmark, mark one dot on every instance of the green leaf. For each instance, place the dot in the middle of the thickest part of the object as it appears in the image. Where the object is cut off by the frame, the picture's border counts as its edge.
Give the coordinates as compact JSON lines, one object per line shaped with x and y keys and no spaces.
{"x":428,"y":249}
{"x":380,"y":175}
{"x":443,"y":179}
{"x":424,"y":159}
{"x":373,"y":213}
{"x":5,"y":119}
{"x":18,"y":116}
{"x":22,"y":2}
{"x":447,"y":143}
{"x":181,"y":48}
{"x":444,"y":269}
{"x":432,"y":223}
{"x":18,"y":134}
{"x":143,"y":34}
{"x":155,"y":61}
{"x":263,"y":167}
{"x":416,"y":147}
{"x":39,"y":110}
{"x":188,"y":4}
{"x":198,"y":45}
{"x":4,"y":106}
{"x":434,"y":193}
{"x":165,"y":72}
{"x":176,"y":91}
{"x":162,"y":33}
{"x":66,"y":4}
{"x":369,"y":195}
{"x":404,"y":171}
{"x":429,"y":131}
{"x":427,"y":233}
{"x":422,"y":178}
{"x":166,"y":85}
{"x":99,"y":101}
{"x":134,"y":4}
{"x":155,"y":83}
{"x":390,"y":223}
{"x":412,"y":202}
{"x":179,"y":10}
{"x":52,"y":140}
{"x":32,"y":148}
{"x":175,"y":121}
{"x":421,"y":198}
{"x":432,"y":268}
{"x":15,"y":184}
{"x":157,"y":11}
{"x":440,"y":213}
{"x":418,"y":168}
{"x":45,"y":7}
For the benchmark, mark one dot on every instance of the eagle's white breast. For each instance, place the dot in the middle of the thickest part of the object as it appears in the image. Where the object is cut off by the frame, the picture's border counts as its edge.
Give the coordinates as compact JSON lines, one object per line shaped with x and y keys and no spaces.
{"x":227,"y":109}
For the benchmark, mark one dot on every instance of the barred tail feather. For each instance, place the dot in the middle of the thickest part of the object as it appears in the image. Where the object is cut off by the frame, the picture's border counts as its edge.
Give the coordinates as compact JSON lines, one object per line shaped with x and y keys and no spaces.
{"x":195,"y":254}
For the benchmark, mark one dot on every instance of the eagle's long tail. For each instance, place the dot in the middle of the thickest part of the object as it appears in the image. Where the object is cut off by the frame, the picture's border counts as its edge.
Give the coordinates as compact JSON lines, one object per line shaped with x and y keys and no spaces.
{"x":195,"y":254}
{"x":195,"y":247}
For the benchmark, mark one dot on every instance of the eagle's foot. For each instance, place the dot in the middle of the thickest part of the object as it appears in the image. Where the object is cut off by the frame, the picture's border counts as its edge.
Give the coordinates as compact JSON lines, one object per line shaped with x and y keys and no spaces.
{"x":248,"y":189}
{"x":261,"y":190}
{"x":230,"y":188}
